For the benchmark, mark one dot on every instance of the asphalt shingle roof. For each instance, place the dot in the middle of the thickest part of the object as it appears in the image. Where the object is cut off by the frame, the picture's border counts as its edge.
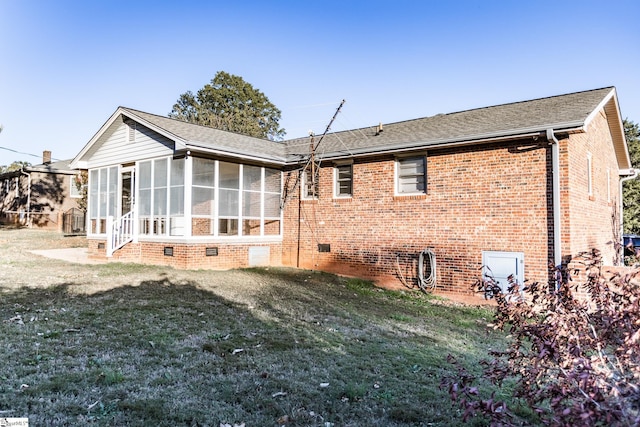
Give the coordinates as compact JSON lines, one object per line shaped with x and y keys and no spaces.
{"x":557,"y":112}
{"x":60,"y":166}
{"x":560,"y":113}
{"x":209,"y":138}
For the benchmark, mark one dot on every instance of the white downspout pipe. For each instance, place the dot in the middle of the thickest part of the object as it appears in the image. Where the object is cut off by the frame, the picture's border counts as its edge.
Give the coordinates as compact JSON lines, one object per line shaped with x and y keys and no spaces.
{"x":631,"y":174}
{"x":555,"y":171}
{"x":28,"y":175}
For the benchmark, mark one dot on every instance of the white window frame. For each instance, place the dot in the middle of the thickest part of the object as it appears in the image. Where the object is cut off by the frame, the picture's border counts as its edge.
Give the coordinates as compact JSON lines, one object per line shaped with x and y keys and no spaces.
{"x":304,"y":193}
{"x":260,"y":195}
{"x":589,"y":175}
{"x":17,"y":186}
{"x":608,"y":185}
{"x":101,"y":193}
{"x":337,"y":181}
{"x":74,"y":191}
{"x":397,"y":186}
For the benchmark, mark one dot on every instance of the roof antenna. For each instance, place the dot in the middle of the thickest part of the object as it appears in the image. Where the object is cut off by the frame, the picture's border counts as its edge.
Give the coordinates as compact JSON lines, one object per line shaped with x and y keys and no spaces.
{"x":329,"y":125}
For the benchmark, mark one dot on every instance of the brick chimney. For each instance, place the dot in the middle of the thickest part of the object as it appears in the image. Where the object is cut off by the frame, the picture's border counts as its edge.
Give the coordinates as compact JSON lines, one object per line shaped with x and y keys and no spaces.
{"x":46,"y":157}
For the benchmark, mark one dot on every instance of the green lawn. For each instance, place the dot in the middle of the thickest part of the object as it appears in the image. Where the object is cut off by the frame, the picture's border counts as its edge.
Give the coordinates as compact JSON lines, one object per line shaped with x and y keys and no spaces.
{"x":308,"y":349}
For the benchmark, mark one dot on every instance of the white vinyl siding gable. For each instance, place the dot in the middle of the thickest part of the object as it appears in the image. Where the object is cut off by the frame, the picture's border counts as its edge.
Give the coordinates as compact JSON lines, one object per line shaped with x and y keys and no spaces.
{"x":118,"y":148}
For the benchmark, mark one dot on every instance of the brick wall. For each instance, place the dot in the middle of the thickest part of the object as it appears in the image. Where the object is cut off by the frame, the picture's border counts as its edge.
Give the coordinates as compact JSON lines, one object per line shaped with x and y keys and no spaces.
{"x":49,"y":198}
{"x":186,"y":255}
{"x":589,"y":221}
{"x":492,"y":198}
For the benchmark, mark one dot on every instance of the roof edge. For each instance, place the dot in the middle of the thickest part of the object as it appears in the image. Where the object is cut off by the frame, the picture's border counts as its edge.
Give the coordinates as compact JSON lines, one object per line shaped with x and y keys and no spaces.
{"x":567,"y":127}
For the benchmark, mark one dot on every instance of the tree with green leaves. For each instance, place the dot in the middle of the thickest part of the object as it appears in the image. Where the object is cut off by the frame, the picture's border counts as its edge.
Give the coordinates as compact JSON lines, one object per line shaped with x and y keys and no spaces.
{"x":15,"y":166}
{"x":631,"y":188}
{"x":230,"y":103}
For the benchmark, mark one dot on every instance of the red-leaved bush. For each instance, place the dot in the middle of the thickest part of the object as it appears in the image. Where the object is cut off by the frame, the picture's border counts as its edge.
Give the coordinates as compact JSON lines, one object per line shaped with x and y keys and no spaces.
{"x":573,"y":361}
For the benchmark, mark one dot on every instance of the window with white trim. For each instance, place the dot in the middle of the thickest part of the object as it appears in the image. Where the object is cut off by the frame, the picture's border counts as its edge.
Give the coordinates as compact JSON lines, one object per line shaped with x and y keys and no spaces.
{"x":103,"y":184}
{"x":161,"y":197}
{"x":17,"y":186}
{"x":271,"y":209}
{"x":608,"y":185}
{"x":310,"y":186}
{"x":233,"y":199}
{"x":343,"y":180}
{"x":203,"y":187}
{"x":74,"y":191}
{"x":411,"y":175}
{"x":589,"y":174}
{"x":228,"y":198}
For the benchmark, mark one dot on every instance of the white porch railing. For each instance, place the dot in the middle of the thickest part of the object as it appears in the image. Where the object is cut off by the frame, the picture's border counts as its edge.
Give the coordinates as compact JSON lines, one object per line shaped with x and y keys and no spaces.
{"x":119,"y":232}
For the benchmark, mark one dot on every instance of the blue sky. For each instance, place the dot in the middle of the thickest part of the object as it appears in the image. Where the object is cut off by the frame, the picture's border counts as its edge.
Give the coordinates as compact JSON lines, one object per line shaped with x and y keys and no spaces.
{"x":65,"y":65}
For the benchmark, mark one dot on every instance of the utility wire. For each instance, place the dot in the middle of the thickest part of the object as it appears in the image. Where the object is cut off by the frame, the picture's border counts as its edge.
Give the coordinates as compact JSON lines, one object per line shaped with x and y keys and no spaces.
{"x":26,"y":154}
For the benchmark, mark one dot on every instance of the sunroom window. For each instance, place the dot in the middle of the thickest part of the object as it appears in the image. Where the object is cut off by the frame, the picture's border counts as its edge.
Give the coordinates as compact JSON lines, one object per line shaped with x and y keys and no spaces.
{"x":203,"y":197}
{"x":272,"y":188}
{"x":251,"y":200}
{"x":103,"y":184}
{"x":161,"y":200}
{"x":228,"y":199}
{"x":248,"y":199}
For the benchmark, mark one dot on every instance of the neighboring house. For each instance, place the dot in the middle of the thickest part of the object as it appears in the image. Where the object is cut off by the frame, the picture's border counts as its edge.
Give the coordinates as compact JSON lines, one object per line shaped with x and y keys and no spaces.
{"x":511,"y":188}
{"x":40,"y":195}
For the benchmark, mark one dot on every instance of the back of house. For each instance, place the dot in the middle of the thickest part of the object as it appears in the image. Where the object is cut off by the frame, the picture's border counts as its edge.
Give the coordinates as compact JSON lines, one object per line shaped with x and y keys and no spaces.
{"x":439,"y":200}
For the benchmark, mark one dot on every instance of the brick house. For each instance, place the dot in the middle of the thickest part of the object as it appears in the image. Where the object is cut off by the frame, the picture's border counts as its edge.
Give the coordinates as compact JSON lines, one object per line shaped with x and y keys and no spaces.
{"x":511,"y":187}
{"x":40,"y":195}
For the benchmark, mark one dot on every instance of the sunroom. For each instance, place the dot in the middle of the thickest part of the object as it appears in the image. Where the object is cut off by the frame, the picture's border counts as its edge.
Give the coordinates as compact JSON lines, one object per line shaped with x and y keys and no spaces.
{"x":157,"y":195}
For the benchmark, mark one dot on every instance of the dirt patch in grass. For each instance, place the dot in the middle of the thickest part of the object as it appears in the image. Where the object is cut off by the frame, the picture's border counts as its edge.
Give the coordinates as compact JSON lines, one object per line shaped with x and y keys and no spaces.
{"x":125,"y":344}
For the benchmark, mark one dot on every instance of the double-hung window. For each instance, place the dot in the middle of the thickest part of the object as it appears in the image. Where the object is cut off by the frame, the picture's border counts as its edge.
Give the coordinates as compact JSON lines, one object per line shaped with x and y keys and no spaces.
{"x":76,"y":187}
{"x":411,"y":175}
{"x":343,"y":175}
{"x":589,"y":175}
{"x":310,"y":182}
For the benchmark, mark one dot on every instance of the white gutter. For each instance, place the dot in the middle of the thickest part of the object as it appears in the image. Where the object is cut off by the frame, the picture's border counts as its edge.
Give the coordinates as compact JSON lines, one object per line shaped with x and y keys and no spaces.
{"x":28,"y":175}
{"x":629,"y":175}
{"x":555,"y":171}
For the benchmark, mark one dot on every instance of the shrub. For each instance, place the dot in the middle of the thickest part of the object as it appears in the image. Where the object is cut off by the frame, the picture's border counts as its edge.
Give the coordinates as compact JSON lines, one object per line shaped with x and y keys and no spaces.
{"x":572,"y":360}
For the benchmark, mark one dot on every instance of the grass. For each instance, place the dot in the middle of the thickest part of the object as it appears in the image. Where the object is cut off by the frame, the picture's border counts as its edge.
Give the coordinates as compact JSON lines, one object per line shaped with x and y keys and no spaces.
{"x":309,"y":349}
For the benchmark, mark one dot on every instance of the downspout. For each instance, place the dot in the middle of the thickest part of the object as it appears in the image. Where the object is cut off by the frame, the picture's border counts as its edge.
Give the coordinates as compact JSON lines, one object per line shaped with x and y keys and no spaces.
{"x":555,"y":183}
{"x":299,"y":216}
{"x":28,"y":175}
{"x":632,"y":174}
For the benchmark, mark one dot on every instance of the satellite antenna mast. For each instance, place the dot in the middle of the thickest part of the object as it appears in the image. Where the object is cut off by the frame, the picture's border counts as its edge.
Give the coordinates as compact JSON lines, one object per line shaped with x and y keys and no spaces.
{"x":314,"y":147}
{"x":329,"y":125}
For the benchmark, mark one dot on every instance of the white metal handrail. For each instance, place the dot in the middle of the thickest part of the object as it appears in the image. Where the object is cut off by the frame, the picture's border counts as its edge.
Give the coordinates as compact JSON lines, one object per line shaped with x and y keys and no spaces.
{"x":119,"y":232}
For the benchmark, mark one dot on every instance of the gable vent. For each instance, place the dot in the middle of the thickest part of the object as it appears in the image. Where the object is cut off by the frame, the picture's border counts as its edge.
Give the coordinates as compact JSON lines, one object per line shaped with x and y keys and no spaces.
{"x":132,"y":131}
